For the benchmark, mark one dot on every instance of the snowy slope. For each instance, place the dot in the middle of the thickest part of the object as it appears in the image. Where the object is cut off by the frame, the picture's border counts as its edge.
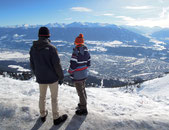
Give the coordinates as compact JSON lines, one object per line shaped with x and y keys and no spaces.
{"x":109,"y":109}
{"x":159,"y":86}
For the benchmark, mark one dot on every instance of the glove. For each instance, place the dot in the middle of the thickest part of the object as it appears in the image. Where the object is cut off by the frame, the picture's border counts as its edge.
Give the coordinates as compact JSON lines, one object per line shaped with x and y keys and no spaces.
{"x":60,"y":82}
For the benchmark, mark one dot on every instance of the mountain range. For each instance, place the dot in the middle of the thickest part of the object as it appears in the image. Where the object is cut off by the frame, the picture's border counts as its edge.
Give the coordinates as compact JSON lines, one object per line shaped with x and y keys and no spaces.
{"x":68,"y":32}
{"x":63,"y":25}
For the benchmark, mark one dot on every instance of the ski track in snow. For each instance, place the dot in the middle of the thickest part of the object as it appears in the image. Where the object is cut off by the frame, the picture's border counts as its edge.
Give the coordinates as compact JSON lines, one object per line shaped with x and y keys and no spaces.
{"x":109,"y":109}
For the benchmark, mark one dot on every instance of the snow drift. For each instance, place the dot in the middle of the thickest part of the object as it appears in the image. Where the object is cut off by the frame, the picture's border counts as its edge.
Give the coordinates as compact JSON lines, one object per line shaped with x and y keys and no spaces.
{"x":109,"y":109}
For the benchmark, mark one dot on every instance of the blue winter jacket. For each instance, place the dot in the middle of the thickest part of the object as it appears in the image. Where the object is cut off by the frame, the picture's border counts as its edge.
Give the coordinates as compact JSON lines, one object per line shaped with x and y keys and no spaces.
{"x":79,"y":63}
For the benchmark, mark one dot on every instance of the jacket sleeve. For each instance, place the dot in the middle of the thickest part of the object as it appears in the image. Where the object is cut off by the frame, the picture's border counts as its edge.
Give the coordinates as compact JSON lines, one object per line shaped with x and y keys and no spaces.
{"x":57,"y":65}
{"x":89,"y":60}
{"x":73,"y":62}
{"x":32,"y":62}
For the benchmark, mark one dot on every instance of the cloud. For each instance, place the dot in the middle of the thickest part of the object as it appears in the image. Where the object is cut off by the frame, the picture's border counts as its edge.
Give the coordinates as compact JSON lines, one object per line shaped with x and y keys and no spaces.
{"x":108,"y":14}
{"x":67,"y":19}
{"x":161,"y":19}
{"x":161,"y":1}
{"x":138,"y":7}
{"x":125,"y":18}
{"x":164,"y":12}
{"x":149,"y":22}
{"x":81,"y":9}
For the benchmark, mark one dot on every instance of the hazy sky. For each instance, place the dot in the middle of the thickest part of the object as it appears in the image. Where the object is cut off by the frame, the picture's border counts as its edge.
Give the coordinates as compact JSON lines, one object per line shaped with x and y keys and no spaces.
{"x":120,"y":12}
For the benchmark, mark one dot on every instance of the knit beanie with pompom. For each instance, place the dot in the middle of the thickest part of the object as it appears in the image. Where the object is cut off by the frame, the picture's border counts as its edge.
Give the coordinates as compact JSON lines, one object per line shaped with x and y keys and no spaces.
{"x":79,"y":40}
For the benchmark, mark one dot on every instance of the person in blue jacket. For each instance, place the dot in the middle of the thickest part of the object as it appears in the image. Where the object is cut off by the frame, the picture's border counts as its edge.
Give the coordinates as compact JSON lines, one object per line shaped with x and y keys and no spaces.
{"x":79,"y":63}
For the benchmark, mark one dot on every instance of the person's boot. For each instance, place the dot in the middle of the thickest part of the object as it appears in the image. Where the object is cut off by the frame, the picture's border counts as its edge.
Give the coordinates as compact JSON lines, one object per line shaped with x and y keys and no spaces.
{"x":60,"y":119}
{"x":81,"y":112}
{"x":43,"y":119}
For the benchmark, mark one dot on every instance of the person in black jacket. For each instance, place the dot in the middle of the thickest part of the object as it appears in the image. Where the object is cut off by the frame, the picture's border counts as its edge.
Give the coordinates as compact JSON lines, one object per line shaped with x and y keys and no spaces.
{"x":45,"y":64}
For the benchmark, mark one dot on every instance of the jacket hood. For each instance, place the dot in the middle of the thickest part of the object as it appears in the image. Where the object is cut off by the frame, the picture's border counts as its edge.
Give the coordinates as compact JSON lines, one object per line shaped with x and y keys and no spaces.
{"x":80,"y":49}
{"x":41,"y":43}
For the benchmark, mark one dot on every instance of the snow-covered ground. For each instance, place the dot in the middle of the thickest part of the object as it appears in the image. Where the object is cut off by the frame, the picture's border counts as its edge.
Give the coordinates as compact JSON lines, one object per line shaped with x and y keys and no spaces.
{"x":147,"y":108}
{"x":19,"y":68}
{"x":13,"y":55}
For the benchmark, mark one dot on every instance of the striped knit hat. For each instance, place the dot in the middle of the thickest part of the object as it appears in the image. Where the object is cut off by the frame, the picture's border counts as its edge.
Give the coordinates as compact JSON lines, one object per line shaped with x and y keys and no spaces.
{"x":79,"y":40}
{"x":44,"y":32}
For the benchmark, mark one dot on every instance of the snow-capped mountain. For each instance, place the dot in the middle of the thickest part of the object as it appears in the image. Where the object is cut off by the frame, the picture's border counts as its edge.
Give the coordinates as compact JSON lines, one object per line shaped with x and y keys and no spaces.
{"x":91,"y":31}
{"x":63,"y":25}
{"x":129,"y":108}
{"x":89,"y":25}
{"x":58,"y":25}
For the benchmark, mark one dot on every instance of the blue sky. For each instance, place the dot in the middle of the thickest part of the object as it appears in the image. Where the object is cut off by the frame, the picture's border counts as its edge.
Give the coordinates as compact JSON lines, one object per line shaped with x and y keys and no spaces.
{"x":120,"y":12}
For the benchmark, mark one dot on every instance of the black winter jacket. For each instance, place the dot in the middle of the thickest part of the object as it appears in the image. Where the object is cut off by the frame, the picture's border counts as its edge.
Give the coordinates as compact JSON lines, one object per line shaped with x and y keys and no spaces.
{"x":45,"y":62}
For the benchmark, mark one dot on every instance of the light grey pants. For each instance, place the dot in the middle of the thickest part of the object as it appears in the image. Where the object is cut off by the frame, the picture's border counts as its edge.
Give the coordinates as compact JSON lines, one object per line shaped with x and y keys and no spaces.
{"x":80,"y":87}
{"x":54,"y":99}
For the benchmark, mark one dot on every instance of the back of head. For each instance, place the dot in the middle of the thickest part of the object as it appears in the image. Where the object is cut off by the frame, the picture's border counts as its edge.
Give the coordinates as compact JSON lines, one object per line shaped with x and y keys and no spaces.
{"x":44,"y":32}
